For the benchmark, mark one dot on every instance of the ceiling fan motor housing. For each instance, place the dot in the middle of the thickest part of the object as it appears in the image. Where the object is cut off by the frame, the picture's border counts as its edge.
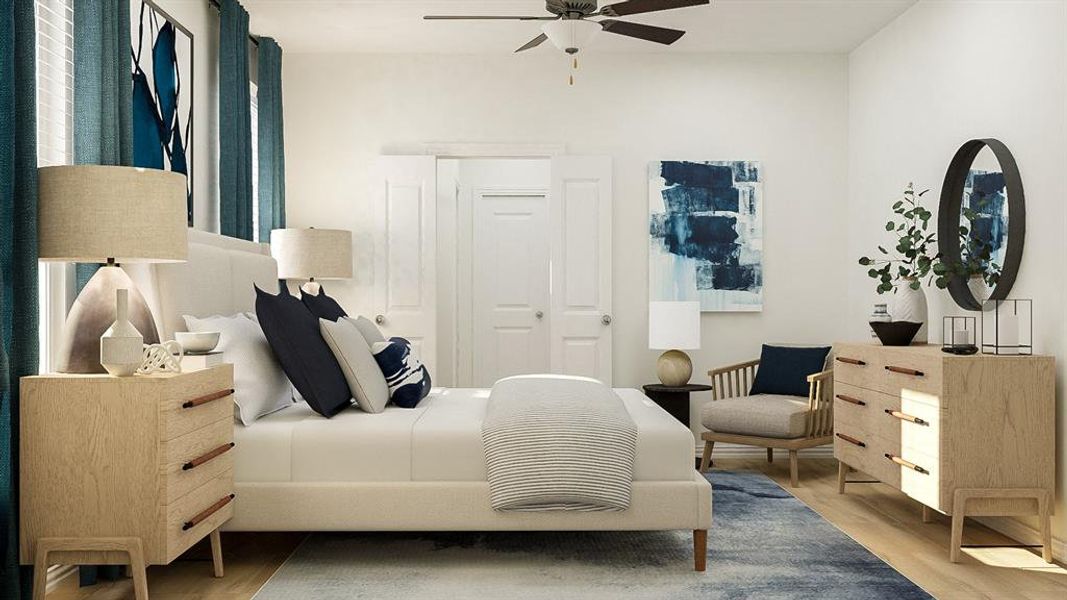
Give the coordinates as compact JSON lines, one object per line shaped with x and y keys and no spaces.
{"x":571,"y":7}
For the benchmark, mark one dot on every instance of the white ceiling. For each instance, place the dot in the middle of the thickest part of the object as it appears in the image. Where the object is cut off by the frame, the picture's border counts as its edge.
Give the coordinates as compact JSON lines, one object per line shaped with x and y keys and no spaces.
{"x":396,"y":26}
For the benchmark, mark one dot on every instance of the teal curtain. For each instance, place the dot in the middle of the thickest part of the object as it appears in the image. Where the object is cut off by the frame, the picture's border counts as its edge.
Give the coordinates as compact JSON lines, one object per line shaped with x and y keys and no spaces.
{"x":235,"y":123}
{"x":18,"y":264}
{"x":103,"y":90}
{"x":271,"y":139}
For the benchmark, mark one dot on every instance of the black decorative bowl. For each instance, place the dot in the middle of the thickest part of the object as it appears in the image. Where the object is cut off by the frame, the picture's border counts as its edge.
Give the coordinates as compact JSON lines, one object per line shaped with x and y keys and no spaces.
{"x":895,"y":333}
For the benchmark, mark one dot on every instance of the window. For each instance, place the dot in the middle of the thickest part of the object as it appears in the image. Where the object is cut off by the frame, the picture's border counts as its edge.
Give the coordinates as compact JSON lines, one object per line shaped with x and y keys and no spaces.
{"x":55,"y":146}
{"x":254,"y":95}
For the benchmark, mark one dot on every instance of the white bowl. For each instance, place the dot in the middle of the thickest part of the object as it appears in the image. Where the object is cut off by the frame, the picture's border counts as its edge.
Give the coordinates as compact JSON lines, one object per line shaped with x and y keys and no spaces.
{"x":197,"y":341}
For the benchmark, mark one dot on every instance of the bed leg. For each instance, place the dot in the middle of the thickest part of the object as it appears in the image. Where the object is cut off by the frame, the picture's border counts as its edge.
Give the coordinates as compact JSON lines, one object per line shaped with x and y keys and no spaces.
{"x":700,"y":550}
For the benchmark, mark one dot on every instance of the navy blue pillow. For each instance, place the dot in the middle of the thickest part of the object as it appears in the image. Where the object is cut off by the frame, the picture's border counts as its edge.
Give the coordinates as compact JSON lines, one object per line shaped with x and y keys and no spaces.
{"x":293,"y":334}
{"x":784,"y":370}
{"x":406,"y":376}
{"x":323,"y":306}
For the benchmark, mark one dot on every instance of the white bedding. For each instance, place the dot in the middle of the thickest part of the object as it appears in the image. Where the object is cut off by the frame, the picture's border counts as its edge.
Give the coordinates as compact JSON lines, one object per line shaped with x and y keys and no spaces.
{"x":440,"y":440}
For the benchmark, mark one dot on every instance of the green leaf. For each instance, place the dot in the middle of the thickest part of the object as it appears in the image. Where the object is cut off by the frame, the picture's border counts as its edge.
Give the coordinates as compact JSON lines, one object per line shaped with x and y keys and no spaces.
{"x":915,"y":284}
{"x":873,"y":273}
{"x":865,"y":261}
{"x":883,"y":250}
{"x":889,"y":226}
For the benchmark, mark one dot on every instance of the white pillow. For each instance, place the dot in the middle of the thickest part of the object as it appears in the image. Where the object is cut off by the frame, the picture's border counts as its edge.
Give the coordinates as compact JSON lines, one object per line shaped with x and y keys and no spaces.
{"x":370,"y":331}
{"x":260,"y":385}
{"x":364,"y":377}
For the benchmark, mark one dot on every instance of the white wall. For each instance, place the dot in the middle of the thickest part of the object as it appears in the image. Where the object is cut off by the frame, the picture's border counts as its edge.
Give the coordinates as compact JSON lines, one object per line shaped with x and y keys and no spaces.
{"x":787,"y":111}
{"x":941,"y":74}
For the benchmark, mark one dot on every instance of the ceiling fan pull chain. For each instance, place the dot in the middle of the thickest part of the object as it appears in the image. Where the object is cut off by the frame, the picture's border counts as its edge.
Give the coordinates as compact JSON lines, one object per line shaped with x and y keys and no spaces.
{"x":574,"y":65}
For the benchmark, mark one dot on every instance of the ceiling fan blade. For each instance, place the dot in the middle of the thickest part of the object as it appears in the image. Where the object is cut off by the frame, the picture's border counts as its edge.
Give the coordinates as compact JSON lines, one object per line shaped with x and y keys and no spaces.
{"x":660,"y":35}
{"x":636,"y":7}
{"x":485,"y":18}
{"x":537,"y":41}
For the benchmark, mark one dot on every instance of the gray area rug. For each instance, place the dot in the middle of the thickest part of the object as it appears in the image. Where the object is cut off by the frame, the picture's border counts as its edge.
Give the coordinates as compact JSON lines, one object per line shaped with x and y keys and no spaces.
{"x":764,"y":543}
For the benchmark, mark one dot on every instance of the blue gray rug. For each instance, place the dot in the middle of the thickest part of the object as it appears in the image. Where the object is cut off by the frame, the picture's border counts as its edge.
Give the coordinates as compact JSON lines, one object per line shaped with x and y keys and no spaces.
{"x":764,"y":543}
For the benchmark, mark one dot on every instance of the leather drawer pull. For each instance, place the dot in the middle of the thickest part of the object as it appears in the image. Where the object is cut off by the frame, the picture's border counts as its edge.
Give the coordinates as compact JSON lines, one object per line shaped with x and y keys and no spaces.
{"x":851,"y":400}
{"x":205,"y":399}
{"x":214,"y":508}
{"x":850,"y":361}
{"x":851,"y":440}
{"x":904,"y":371}
{"x":905,"y":417}
{"x":910,"y":465}
{"x":196,"y":462}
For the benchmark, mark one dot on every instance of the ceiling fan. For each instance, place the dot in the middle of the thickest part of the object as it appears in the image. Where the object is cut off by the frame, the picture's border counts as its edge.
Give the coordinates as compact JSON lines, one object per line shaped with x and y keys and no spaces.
{"x":570,"y":26}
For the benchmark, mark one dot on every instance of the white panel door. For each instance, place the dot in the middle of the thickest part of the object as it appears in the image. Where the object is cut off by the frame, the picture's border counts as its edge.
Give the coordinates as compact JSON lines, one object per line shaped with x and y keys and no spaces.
{"x":405,"y":241}
{"x":510,"y":298}
{"x":580,"y":220}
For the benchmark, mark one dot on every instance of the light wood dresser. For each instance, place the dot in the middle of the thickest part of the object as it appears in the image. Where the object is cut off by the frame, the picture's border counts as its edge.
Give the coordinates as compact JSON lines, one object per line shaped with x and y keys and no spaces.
{"x":963,"y":435}
{"x":130,"y":470}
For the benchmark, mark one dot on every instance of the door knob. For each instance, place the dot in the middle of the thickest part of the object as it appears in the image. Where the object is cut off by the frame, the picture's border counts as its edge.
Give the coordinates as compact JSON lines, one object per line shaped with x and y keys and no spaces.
{"x":606,"y":319}
{"x":379,"y":319}
{"x":539,"y":314}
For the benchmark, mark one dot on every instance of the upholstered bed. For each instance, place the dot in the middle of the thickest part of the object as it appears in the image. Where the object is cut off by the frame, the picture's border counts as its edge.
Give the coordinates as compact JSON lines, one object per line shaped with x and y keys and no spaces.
{"x":415,"y":469}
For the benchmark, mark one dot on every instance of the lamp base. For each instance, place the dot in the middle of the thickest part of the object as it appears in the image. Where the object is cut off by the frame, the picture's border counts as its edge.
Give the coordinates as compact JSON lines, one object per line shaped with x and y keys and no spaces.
{"x":674,"y":368}
{"x":92,"y":314}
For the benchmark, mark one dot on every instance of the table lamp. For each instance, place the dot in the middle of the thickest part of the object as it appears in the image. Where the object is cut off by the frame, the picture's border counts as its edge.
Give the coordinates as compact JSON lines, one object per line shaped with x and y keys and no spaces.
{"x":312,"y":254}
{"x":674,"y":326}
{"x":112,"y":215}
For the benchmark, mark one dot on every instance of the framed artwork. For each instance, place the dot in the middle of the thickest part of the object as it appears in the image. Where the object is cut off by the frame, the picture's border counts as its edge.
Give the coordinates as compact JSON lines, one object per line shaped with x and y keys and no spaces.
{"x":162,"y":93}
{"x":706,"y":234}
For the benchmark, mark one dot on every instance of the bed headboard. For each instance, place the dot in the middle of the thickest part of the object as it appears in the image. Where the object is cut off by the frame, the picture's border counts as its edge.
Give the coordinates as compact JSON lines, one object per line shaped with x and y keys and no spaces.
{"x":216,"y":279}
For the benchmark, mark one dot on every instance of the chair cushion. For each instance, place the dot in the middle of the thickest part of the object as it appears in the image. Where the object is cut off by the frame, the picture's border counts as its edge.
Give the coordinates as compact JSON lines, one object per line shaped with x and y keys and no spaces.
{"x":785,"y":369}
{"x":761,"y":415}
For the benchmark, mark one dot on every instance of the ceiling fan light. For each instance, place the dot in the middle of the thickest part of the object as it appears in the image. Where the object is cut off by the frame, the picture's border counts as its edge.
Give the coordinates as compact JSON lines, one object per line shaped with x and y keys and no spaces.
{"x":571,"y":35}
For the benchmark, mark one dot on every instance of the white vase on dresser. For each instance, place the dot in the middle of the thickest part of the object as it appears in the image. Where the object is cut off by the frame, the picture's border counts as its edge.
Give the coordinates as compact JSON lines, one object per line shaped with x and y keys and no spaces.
{"x":910,"y":305}
{"x":121,"y":345}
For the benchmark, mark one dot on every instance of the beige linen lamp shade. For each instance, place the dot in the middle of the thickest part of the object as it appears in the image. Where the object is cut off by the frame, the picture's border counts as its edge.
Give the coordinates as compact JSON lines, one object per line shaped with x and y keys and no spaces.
{"x":93,"y":213}
{"x":312,"y":253}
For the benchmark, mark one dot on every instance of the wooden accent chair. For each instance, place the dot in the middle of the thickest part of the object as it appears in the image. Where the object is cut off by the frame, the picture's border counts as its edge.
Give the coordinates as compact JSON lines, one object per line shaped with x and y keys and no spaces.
{"x":766,"y":420}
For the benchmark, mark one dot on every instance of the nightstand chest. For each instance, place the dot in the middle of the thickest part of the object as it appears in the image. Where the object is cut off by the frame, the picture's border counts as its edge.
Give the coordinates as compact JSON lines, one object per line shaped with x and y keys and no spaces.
{"x":963,"y":435}
{"x":130,"y":470}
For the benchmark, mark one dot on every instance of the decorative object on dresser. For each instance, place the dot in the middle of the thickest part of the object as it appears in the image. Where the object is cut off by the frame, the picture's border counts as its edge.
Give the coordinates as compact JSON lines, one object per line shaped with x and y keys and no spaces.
{"x":131,"y":470}
{"x":879,"y":315}
{"x":1008,"y":326}
{"x":90,"y":213}
{"x":162,"y":358}
{"x":121,"y":346}
{"x":746,"y":410}
{"x":983,"y":207}
{"x":674,"y":399}
{"x":196,"y":362}
{"x":959,"y":335}
{"x":963,"y":435}
{"x":902,"y":272}
{"x":895,"y":333}
{"x":312,"y":254}
{"x":674,"y":327}
{"x":198,"y":342}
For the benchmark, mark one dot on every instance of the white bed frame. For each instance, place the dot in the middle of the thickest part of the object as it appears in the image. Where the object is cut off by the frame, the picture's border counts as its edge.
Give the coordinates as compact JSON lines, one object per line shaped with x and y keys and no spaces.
{"x":218,"y":279}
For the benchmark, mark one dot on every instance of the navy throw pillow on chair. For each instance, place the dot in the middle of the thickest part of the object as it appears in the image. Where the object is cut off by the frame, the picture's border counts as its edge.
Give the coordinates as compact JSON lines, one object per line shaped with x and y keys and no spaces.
{"x":784,"y":369}
{"x":293,"y":334}
{"x":323,"y":306}
{"x":406,"y":376}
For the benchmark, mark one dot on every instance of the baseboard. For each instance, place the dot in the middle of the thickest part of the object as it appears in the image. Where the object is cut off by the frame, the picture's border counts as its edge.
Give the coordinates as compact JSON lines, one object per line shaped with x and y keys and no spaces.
{"x":57,"y":574}
{"x":1023,"y":533}
{"x":723,"y":450}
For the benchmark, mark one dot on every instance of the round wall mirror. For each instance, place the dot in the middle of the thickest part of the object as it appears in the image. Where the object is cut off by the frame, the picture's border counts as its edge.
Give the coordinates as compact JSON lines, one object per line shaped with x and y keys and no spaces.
{"x":981,"y":223}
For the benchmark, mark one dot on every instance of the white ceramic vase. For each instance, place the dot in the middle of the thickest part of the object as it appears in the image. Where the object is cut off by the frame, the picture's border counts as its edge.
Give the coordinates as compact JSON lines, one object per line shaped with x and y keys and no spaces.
{"x":910,"y":305}
{"x":121,"y":345}
{"x":976,"y":283}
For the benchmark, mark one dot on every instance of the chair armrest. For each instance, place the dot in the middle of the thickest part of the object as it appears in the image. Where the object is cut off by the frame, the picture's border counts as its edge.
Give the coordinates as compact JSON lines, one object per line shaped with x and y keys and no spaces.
{"x":821,"y":376}
{"x":732,"y":368}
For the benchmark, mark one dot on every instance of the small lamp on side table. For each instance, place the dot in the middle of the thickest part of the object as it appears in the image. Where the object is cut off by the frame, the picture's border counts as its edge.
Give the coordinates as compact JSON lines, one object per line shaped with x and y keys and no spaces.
{"x":674,"y":326}
{"x":312,"y":254}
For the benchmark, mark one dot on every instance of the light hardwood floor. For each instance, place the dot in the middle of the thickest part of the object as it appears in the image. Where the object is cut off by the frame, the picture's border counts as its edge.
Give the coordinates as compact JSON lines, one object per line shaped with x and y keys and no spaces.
{"x":880,"y":518}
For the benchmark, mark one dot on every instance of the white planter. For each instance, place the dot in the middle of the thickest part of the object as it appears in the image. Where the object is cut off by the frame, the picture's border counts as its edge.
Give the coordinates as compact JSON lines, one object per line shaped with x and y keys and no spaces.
{"x":910,"y":305}
{"x":978,"y":288}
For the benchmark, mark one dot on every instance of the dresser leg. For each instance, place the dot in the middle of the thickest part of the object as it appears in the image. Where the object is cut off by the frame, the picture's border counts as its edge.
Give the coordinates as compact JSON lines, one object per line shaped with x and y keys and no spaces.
{"x":928,"y":514}
{"x":40,"y":570}
{"x":842,"y":471}
{"x":137,"y":566}
{"x":216,"y":552}
{"x":959,"y":502}
{"x":1043,"y":502}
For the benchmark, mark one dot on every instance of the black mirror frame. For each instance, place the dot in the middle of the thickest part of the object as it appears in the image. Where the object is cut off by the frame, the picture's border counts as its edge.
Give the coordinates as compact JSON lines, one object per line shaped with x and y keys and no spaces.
{"x":949,"y":215}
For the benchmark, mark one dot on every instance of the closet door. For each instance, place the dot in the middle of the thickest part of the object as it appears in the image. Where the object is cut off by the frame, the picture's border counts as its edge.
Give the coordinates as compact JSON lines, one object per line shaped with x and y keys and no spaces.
{"x":405,"y":241}
{"x":580,"y":223}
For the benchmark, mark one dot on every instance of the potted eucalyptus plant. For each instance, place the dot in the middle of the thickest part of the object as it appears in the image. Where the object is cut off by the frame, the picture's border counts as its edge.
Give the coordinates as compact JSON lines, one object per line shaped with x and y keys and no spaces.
{"x":902,"y":270}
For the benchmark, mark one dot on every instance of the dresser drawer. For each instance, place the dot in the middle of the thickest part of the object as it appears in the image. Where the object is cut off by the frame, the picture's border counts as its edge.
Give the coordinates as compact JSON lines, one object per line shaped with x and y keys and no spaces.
{"x":867,"y":454}
{"x":920,"y":477}
{"x":204,"y":397}
{"x":921,"y":424}
{"x":916,"y":371}
{"x":193,"y":459}
{"x":859,"y":366}
{"x":863,"y":410}
{"x":198,"y":513}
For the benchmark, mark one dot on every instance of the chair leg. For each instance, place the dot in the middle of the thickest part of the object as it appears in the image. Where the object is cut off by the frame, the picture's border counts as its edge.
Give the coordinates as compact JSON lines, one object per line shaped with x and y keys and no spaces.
{"x":770,"y":455}
{"x":793,"y":468}
{"x":700,"y":550}
{"x":842,"y":472}
{"x":705,"y":459}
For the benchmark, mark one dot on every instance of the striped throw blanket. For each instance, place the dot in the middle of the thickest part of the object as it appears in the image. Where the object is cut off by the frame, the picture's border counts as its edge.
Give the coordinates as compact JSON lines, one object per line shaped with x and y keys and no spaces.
{"x":558,"y":443}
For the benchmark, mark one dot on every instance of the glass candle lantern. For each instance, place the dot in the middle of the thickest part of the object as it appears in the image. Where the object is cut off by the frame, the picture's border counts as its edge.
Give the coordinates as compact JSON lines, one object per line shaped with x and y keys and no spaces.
{"x":1008,"y":326}
{"x":959,"y":335}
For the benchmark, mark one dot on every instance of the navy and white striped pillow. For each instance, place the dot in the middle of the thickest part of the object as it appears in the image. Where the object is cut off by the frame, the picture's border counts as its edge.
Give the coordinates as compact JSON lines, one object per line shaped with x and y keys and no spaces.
{"x":407,"y":377}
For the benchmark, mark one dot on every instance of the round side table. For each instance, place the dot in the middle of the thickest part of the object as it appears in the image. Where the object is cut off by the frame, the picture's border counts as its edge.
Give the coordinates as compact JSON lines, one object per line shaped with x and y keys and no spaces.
{"x":674,"y":400}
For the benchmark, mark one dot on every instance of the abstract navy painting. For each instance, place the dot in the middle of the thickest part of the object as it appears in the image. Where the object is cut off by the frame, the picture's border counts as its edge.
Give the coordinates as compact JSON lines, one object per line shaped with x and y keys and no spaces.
{"x":162,"y":93}
{"x":985,"y":206}
{"x":706,"y":234}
